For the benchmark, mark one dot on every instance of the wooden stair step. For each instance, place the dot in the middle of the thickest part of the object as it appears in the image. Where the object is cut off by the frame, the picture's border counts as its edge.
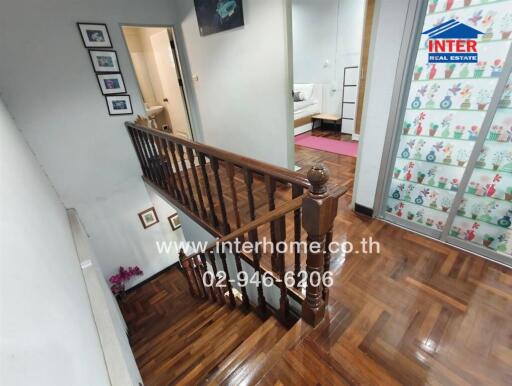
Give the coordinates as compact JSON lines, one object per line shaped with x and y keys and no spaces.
{"x":254,"y":357}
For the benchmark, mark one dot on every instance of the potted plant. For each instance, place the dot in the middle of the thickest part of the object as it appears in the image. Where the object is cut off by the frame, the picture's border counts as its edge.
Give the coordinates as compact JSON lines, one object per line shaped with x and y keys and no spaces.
{"x":420,"y":176}
{"x":449,"y":5}
{"x":481,"y":162}
{"x":417,"y":72}
{"x":441,"y":182}
{"x":459,"y":131}
{"x":432,"y":174}
{"x":473,"y":132}
{"x":410,"y":215}
{"x":440,"y":225}
{"x":506,"y":26}
{"x":432,"y":6}
{"x":494,"y":133}
{"x":475,"y":211}
{"x":407,"y":127}
{"x":433,"y":129}
{"x":445,"y":204}
{"x":434,"y":88}
{"x":408,"y":191}
{"x":389,"y":209}
{"x":479,"y":70}
{"x":429,"y":222}
{"x":466,"y":97}
{"x":455,"y":231}
{"x":462,"y":157}
{"x":488,"y":239}
{"x":462,"y":208}
{"x":467,"y":3}
{"x":505,"y":100}
{"x":483,"y":99}
{"x":464,"y":73}
{"x":487,"y":23}
{"x":454,"y":184}
{"x":448,"y":70}
{"x":419,"y":216}
{"x":508,"y":194}
{"x":445,"y":124}
{"x":472,"y":187}
{"x":496,"y":68}
{"x":448,"y":149}
{"x":396,"y":172}
{"x":123,"y":276}
{"x":497,"y":159}
{"x":433,"y":199}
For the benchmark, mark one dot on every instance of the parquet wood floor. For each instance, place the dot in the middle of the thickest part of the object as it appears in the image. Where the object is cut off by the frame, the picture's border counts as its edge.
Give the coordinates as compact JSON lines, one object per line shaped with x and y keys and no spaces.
{"x":419,"y":312}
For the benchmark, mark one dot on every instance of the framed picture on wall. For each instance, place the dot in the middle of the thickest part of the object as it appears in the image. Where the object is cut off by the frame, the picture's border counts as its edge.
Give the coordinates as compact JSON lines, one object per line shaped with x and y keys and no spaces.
{"x":219,"y":15}
{"x":111,"y":83}
{"x":119,"y":104}
{"x":104,"y":61}
{"x":148,"y":217}
{"x":174,"y":220}
{"x":95,"y":35}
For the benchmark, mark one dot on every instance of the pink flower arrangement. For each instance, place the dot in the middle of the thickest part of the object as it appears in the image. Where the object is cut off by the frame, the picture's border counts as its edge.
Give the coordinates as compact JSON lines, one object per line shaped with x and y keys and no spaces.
{"x":123,"y":276}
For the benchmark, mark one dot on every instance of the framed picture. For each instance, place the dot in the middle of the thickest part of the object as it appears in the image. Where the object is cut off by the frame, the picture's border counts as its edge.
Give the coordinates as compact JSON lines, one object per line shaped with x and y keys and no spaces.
{"x":95,"y":35}
{"x":111,"y":83}
{"x":218,"y":15}
{"x":119,"y":105}
{"x":148,"y":217}
{"x":104,"y":61}
{"x":174,"y":220}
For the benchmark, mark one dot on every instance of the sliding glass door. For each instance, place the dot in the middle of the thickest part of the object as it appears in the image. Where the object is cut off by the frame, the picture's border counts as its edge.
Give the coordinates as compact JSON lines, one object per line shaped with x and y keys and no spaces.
{"x":453,"y":152}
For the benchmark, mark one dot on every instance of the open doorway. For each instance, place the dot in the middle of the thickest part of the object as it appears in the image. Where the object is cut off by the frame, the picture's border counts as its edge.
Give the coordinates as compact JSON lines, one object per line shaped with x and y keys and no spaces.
{"x":331,"y":40}
{"x":156,"y":64}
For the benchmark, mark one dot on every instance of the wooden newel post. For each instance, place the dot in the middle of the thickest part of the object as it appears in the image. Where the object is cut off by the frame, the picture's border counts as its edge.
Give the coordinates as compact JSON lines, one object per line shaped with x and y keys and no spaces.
{"x":185,"y":263}
{"x":318,"y":212}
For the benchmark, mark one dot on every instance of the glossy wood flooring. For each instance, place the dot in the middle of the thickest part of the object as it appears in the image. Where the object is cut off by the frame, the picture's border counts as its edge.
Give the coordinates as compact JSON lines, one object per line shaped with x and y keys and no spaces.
{"x":419,"y":312}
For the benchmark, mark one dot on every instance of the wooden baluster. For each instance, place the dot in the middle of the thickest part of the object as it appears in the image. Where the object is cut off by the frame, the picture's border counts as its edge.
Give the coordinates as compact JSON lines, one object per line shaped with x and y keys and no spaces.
{"x":243,"y":289}
{"x":262,"y":305}
{"x":270,"y":186}
{"x":147,"y":155}
{"x":213,"y":216}
{"x":280,"y":236}
{"x":215,"y":167}
{"x":191,"y":158}
{"x":327,"y":263}
{"x":183,"y":194}
{"x":231,"y":174}
{"x":142,"y":147}
{"x":250,"y":196}
{"x":318,"y":213}
{"x":212,"y":288}
{"x":138,"y":150}
{"x":155,"y":162}
{"x":296,"y":192}
{"x":172,"y":180}
{"x":160,"y":144}
{"x":228,"y":284}
{"x":185,"y":263}
{"x":220,"y":296}
{"x":200,"y":270}
{"x":187,"y":179}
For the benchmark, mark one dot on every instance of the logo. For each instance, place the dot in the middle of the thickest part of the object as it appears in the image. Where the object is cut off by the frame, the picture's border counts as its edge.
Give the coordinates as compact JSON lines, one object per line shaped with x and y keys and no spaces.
{"x":452,"y":42}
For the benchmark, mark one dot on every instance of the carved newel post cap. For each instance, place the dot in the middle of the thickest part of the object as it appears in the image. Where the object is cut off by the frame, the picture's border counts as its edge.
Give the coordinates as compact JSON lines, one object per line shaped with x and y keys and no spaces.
{"x":318,"y":176}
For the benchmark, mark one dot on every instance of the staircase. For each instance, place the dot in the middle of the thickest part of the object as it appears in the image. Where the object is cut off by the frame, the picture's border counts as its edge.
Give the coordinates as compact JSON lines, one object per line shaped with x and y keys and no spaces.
{"x":184,"y":341}
{"x":217,"y":338}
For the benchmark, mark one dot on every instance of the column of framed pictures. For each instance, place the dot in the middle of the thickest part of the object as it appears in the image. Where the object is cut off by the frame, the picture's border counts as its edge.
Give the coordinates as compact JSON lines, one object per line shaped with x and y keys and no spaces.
{"x":105,"y":64}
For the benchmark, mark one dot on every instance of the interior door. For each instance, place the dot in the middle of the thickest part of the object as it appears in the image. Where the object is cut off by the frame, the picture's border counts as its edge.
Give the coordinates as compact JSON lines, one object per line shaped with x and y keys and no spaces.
{"x":172,"y":94}
{"x":446,"y":108}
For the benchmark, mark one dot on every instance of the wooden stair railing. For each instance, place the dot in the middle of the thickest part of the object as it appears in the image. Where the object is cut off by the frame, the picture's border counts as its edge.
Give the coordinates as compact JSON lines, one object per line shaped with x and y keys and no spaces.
{"x":222,"y":191}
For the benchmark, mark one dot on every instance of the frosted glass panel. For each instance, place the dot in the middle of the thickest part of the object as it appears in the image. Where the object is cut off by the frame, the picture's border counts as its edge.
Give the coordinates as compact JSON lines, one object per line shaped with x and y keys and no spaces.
{"x":446,"y":107}
{"x":484,"y":216}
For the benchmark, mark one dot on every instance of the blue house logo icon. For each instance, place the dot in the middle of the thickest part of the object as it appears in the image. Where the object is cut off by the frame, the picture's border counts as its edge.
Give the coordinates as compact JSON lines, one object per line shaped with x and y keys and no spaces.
{"x":452,"y":42}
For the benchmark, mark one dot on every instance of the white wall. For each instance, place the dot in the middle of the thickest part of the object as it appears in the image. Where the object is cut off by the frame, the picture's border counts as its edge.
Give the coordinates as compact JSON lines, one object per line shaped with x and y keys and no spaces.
{"x":242,"y":99}
{"x":387,"y":37}
{"x":48,"y":83}
{"x":327,"y":36}
{"x":47,"y":332}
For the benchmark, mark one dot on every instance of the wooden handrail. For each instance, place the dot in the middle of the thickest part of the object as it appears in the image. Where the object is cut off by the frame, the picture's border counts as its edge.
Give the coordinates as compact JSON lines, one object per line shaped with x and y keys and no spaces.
{"x":279,"y":173}
{"x":266,"y":218}
{"x":207,"y":183}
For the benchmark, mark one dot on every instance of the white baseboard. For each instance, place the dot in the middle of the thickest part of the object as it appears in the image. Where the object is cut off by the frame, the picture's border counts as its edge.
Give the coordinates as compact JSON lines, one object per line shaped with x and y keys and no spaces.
{"x":355,"y":137}
{"x":302,"y":129}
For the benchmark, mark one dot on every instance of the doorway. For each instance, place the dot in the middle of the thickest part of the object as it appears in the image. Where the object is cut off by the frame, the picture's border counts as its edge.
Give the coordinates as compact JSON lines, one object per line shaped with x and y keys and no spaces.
{"x":155,"y":61}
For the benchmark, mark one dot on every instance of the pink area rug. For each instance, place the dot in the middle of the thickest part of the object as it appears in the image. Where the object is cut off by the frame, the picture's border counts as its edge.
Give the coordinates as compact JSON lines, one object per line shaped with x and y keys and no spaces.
{"x":326,"y":144}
